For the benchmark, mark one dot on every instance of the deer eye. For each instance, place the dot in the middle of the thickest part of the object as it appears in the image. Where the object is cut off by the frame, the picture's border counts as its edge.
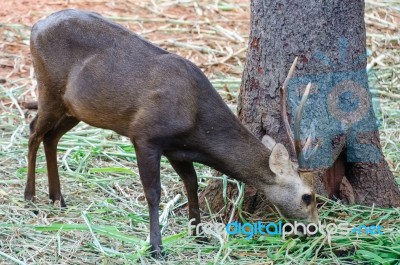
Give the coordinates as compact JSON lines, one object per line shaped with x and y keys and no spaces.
{"x":307,"y":199}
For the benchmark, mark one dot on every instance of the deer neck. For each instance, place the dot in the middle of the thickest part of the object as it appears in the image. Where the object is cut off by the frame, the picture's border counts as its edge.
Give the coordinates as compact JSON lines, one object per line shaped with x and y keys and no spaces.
{"x":231,"y":149}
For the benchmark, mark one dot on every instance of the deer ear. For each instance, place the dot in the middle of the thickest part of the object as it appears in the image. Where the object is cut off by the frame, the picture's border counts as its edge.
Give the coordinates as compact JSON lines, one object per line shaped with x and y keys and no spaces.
{"x":268,"y":142}
{"x":279,"y":161}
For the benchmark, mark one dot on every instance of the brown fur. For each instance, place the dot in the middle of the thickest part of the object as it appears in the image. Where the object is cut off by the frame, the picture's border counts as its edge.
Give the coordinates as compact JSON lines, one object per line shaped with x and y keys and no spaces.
{"x":93,"y":70}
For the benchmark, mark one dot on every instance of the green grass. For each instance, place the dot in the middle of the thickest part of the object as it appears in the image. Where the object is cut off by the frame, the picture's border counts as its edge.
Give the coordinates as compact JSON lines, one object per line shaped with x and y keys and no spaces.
{"x":106,"y":221}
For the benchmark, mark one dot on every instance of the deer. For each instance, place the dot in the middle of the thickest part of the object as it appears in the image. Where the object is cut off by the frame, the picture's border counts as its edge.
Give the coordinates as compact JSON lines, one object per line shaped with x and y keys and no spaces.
{"x":91,"y":69}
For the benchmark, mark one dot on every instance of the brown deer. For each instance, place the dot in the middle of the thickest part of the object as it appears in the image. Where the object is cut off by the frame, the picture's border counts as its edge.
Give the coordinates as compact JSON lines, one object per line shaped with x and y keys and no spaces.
{"x":93,"y":70}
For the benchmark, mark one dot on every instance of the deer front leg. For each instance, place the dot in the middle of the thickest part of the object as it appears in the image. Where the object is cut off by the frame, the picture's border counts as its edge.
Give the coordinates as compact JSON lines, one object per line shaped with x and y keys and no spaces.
{"x":187,"y":173}
{"x":148,"y":158}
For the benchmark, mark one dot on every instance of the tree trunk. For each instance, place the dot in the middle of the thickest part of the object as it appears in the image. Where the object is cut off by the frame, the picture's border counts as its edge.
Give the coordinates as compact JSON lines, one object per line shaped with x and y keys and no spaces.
{"x":329,"y":39}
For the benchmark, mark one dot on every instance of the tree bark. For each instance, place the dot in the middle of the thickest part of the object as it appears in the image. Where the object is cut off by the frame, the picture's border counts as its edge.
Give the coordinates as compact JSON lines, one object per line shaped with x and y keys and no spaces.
{"x":329,"y":39}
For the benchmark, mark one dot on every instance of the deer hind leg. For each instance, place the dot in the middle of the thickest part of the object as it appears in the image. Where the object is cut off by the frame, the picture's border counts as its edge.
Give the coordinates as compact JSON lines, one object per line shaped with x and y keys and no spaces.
{"x":40,"y":125}
{"x":34,"y":143}
{"x":50,"y":141}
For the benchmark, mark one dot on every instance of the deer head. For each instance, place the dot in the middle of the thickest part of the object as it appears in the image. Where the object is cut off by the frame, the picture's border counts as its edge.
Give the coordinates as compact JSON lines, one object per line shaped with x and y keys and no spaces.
{"x":293,"y":196}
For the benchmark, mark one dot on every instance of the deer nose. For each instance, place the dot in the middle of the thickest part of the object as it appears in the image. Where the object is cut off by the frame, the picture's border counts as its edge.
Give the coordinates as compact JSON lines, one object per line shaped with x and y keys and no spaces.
{"x":314,"y":218}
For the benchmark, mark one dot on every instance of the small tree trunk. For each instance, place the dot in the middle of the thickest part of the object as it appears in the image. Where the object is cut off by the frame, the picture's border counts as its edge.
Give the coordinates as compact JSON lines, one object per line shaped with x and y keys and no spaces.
{"x":329,"y":39}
